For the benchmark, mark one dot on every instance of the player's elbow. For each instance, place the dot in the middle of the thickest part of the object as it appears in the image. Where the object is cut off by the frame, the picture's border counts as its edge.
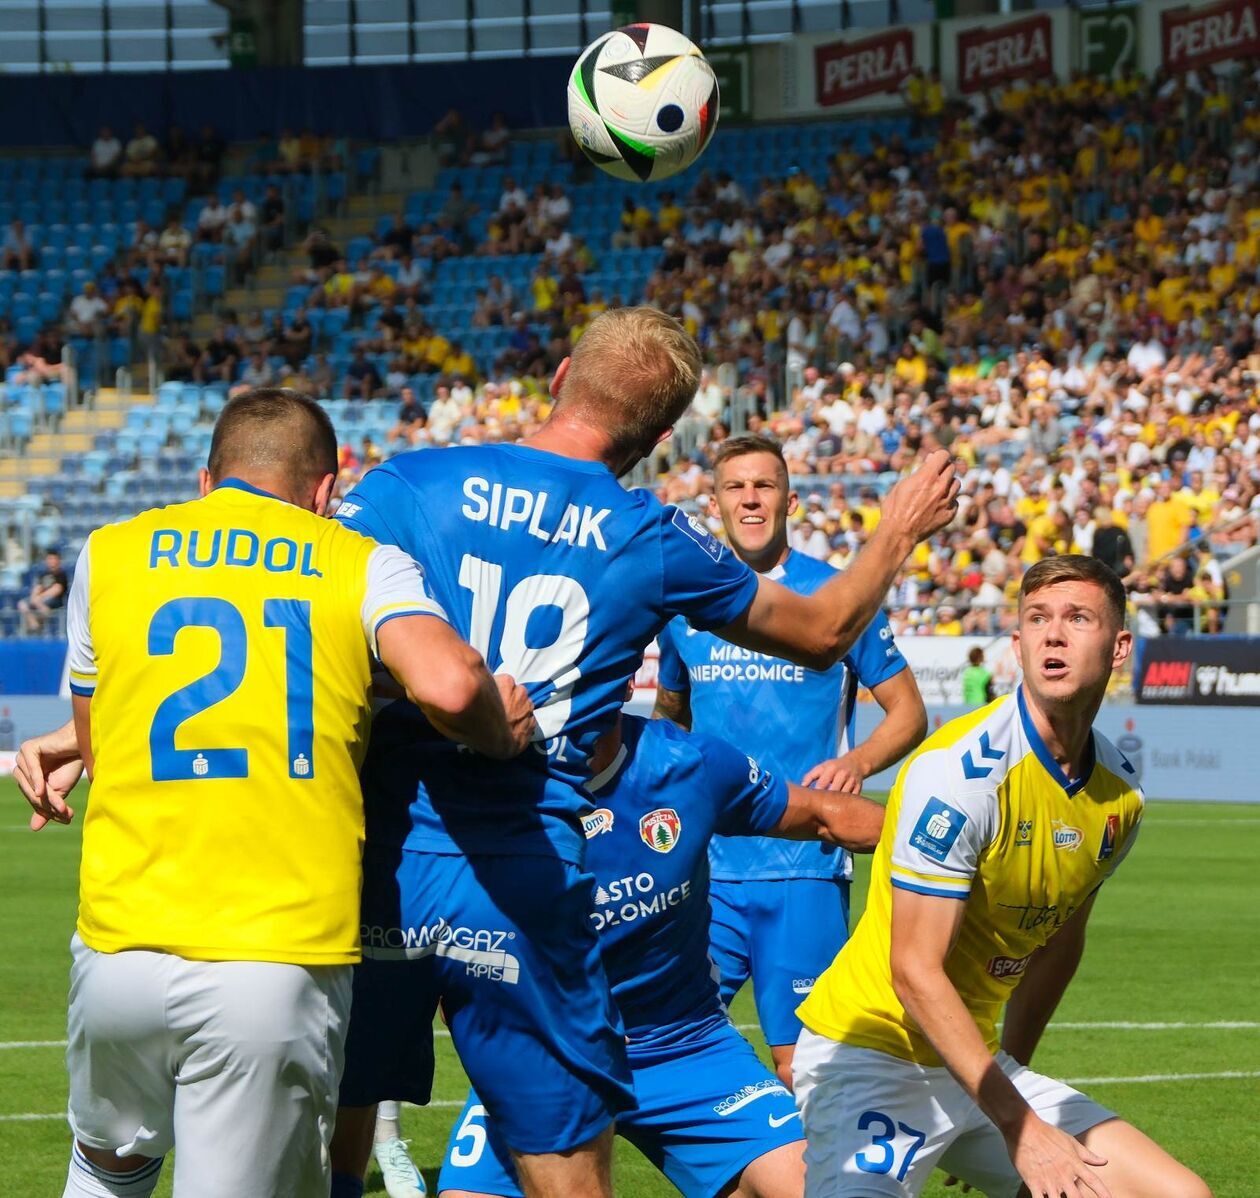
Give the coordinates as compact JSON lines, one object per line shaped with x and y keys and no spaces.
{"x":911,"y":980}
{"x":452,"y":690}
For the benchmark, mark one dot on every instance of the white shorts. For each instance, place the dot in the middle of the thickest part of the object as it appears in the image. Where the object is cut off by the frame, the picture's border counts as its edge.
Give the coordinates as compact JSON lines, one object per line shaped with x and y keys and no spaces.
{"x":877,"y":1126}
{"x":237,"y":1062}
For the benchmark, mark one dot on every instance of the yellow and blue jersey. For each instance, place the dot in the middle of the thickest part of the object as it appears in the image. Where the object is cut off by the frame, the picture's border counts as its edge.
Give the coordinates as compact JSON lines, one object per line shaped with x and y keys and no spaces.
{"x":225,"y":644}
{"x":981,"y":813}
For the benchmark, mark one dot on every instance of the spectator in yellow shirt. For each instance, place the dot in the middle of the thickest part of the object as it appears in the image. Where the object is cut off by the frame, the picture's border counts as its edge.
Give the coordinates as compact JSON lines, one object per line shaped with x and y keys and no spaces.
{"x":1166,"y":522}
{"x":459,"y":362}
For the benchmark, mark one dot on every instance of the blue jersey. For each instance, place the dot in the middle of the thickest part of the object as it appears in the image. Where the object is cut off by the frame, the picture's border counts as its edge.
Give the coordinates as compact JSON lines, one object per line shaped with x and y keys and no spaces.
{"x":789,"y":717}
{"x":658,"y":805}
{"x":558,"y":576}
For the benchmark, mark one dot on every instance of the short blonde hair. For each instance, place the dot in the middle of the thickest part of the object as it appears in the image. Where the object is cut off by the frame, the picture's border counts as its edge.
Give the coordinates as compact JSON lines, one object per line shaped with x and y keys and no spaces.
{"x":635,"y":371}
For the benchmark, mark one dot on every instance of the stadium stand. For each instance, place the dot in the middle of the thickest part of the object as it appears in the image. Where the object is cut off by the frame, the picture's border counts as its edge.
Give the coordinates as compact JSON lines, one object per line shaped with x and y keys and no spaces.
{"x":1057,"y":282}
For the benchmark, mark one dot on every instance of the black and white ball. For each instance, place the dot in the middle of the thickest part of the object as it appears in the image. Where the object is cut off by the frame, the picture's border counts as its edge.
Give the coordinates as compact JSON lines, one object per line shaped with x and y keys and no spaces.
{"x":643,"y":102}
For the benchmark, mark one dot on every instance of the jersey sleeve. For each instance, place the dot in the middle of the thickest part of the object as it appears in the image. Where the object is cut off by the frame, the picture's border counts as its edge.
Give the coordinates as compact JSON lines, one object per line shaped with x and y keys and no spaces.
{"x":376,"y":498}
{"x":703,"y":579}
{"x":395,"y":587}
{"x":939,"y":840}
{"x":671,"y":670}
{"x":875,"y":658}
{"x":80,"y":655}
{"x":750,"y":800}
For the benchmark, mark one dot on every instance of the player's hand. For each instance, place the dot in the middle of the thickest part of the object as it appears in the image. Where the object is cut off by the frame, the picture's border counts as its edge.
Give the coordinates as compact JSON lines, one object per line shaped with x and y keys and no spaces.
{"x":1053,"y":1163}
{"x":47,"y":769}
{"x":925,"y":501}
{"x":522,"y":726}
{"x":841,"y":774}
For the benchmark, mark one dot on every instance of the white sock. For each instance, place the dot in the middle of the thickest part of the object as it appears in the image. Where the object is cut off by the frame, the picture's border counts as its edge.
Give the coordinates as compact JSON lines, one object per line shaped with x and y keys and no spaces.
{"x":87,"y":1180}
{"x":387,"y":1122}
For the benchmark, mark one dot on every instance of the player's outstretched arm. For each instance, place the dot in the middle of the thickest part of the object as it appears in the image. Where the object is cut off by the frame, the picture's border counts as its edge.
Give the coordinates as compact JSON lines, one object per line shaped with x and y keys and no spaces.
{"x":817,"y":630}
{"x":448,"y":680}
{"x":47,"y":769}
{"x":1046,"y":978}
{"x":848,"y":820}
{"x":923,"y":930}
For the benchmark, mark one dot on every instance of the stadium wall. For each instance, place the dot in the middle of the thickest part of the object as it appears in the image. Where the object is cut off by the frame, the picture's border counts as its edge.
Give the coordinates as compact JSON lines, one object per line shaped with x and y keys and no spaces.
{"x":383,"y":103}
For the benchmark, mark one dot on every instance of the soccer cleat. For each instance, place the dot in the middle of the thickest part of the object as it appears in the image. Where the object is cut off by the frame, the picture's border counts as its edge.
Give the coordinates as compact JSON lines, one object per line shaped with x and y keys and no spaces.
{"x":402,"y":1178}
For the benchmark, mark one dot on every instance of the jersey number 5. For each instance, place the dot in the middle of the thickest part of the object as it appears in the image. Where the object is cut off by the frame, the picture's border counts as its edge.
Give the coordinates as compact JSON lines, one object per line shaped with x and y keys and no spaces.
{"x":293,"y":618}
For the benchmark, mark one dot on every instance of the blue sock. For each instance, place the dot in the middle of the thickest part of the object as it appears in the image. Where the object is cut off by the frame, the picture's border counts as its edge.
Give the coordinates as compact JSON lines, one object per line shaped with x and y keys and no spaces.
{"x":346,"y":1185}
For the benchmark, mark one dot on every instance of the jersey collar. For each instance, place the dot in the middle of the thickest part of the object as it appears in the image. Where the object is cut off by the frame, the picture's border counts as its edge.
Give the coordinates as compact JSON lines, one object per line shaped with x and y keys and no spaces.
{"x":610,"y":771}
{"x":1042,"y":752}
{"x":239,"y":484}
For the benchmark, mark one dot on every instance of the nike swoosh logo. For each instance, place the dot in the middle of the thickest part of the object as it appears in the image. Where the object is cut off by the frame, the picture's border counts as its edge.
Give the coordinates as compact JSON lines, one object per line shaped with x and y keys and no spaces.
{"x":780,"y":1122}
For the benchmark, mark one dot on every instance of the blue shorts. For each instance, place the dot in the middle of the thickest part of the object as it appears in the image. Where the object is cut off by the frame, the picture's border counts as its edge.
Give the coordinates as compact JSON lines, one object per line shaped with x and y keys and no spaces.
{"x":705,"y":1113}
{"x":782,"y":935}
{"x":506,"y":945}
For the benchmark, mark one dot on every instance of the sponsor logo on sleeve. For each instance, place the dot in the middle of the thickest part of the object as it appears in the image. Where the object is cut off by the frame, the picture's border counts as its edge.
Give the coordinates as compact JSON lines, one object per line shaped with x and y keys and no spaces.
{"x":660,"y":829}
{"x":1107,"y":848}
{"x":937,"y":829}
{"x":1067,"y":838}
{"x":693,"y":528}
{"x":598,"y":822}
{"x":803,"y":985}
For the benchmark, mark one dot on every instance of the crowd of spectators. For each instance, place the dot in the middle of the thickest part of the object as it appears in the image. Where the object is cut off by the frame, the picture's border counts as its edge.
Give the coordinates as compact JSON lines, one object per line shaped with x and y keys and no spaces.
{"x":1060,"y":285}
{"x":1061,"y":289}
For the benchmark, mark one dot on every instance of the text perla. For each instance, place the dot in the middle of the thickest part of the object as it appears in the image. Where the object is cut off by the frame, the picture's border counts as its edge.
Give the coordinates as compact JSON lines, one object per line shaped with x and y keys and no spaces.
{"x":506,"y":507}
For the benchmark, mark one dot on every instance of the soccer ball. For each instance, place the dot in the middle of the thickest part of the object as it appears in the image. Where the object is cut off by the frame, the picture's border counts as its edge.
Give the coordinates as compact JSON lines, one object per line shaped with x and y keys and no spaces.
{"x":643,"y":102}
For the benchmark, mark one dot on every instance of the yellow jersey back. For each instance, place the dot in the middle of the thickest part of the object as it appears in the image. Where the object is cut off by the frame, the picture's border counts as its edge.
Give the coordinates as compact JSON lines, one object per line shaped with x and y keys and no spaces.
{"x":981,"y":814}
{"x":225,"y":644}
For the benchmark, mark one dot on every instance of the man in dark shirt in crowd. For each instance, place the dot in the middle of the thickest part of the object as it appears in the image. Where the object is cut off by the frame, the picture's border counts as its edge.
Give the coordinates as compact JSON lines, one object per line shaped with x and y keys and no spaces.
{"x":271,"y":216}
{"x":363,"y":380}
{"x":48,"y":593}
{"x":1112,"y":546}
{"x":397,"y":240}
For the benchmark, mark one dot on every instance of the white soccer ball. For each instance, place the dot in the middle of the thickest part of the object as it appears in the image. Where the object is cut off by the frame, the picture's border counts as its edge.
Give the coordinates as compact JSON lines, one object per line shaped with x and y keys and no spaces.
{"x":643,"y":102}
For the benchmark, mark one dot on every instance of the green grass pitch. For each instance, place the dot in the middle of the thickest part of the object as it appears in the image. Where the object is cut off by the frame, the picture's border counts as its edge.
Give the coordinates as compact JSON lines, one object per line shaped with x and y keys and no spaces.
{"x":1171,"y":943}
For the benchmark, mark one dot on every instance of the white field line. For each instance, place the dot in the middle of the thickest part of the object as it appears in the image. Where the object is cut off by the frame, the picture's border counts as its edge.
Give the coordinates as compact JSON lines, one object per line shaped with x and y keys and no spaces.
{"x":1217,"y":1025}
{"x":1144,"y":1079}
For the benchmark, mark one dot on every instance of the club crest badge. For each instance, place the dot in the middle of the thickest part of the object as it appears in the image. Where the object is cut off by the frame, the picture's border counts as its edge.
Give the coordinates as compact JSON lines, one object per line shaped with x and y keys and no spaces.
{"x":659,"y":829}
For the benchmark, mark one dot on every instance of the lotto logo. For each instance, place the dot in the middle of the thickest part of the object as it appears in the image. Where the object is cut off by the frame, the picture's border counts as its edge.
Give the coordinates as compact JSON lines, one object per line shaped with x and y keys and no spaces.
{"x":599,"y":821}
{"x":1067,"y":838}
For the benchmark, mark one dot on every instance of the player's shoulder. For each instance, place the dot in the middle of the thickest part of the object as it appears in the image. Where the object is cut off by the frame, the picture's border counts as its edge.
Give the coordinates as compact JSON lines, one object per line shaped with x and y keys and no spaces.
{"x":805,"y":574}
{"x":970,"y":755}
{"x":1114,"y":771}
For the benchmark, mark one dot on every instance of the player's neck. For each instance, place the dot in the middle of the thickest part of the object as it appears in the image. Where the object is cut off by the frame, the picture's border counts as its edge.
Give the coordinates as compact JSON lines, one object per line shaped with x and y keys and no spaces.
{"x":1065,"y":728}
{"x":572,"y":439}
{"x":765,"y":561}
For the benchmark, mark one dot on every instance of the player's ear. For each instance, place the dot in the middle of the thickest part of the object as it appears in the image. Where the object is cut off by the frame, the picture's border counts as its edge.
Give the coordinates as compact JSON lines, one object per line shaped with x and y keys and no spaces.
{"x":1122,"y":648}
{"x":557,"y":379}
{"x":794,"y":501}
{"x":323,"y":494}
{"x":205,"y":484}
{"x":665,"y":436}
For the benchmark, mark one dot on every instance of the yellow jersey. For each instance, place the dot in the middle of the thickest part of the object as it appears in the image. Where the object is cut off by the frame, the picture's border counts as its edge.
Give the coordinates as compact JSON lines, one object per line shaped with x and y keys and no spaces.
{"x":981,"y":813}
{"x":225,"y":646}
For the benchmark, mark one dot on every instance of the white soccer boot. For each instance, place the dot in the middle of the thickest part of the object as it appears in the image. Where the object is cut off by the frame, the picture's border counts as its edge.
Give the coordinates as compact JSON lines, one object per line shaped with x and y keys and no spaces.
{"x":402,"y":1178}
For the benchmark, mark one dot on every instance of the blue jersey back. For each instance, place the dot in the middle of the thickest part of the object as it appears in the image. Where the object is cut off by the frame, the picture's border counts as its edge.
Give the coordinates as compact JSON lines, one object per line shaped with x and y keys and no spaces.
{"x":658,"y":805}
{"x":788,"y":717}
{"x":558,"y":576}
